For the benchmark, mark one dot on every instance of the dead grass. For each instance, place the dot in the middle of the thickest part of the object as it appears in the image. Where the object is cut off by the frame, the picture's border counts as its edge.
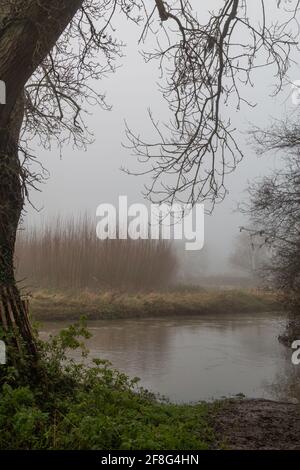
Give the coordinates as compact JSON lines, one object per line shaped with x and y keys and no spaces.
{"x":67,"y":255}
{"x":70,"y":305}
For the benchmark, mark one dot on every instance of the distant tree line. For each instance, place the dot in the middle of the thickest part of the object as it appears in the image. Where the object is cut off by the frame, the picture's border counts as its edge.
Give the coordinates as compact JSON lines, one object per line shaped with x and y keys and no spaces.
{"x":274,"y":209}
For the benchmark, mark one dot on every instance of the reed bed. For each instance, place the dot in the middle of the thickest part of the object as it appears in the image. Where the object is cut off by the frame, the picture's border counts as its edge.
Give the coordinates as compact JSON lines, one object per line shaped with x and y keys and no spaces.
{"x":66,"y":254}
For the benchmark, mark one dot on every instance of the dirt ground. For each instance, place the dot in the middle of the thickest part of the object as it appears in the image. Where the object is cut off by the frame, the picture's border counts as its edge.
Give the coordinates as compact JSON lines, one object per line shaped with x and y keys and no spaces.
{"x":258,"y":424}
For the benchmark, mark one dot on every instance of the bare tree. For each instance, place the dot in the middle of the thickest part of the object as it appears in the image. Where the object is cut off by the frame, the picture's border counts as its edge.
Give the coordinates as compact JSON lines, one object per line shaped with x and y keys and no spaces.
{"x":47,"y":79}
{"x":250,"y":253}
{"x":204,"y":69}
{"x":274,"y":205}
{"x":50,"y":53}
{"x":274,"y":208}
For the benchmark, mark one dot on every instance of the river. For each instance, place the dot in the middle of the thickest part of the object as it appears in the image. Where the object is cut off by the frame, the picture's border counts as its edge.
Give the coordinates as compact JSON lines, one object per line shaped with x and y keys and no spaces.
{"x":199,"y":358}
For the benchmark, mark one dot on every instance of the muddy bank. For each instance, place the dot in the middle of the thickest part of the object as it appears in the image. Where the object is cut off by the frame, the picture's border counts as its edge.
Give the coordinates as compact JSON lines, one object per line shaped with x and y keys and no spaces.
{"x":258,"y":425}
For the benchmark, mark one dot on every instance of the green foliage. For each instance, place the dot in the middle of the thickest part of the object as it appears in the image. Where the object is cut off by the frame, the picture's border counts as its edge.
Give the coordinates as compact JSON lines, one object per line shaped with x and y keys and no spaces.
{"x":23,"y":424}
{"x":79,"y":406}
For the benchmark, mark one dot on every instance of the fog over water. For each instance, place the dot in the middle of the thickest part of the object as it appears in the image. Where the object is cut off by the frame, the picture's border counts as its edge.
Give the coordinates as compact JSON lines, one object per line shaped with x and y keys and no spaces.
{"x":80,"y":180}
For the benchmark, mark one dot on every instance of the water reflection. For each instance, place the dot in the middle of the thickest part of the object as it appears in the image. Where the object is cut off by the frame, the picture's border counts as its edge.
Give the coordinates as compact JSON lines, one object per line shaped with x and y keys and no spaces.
{"x":199,"y":358}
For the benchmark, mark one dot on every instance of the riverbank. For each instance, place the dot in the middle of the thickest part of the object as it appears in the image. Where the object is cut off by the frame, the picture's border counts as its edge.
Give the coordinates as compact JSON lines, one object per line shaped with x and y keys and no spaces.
{"x":49,"y":305}
{"x":257,"y":425}
{"x":105,"y":411}
{"x":75,"y":407}
{"x":80,"y":408}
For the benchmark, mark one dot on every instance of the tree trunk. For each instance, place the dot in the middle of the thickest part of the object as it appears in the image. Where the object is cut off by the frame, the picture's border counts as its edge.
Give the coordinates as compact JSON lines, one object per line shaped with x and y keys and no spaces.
{"x":13,"y":311}
{"x":28,"y":31}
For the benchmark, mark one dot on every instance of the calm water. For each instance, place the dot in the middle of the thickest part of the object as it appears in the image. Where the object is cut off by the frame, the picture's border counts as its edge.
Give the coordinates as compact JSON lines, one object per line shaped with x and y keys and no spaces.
{"x":199,"y":358}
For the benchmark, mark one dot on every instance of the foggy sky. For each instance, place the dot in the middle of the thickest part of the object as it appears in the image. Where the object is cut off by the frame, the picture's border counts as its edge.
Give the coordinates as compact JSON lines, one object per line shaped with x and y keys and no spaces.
{"x":80,"y":181}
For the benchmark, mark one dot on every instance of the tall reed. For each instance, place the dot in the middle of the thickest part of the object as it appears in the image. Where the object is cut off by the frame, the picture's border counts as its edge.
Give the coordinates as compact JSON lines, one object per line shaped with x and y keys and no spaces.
{"x":68,"y":254}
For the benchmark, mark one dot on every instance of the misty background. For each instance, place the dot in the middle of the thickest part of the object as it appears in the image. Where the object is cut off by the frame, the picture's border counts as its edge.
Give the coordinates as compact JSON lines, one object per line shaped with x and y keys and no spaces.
{"x":81,"y":180}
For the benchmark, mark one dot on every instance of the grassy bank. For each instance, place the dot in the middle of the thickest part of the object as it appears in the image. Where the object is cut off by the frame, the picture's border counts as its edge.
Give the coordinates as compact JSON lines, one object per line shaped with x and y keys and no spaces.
{"x":74,"y":407}
{"x":71,"y":305}
{"x":106,"y":417}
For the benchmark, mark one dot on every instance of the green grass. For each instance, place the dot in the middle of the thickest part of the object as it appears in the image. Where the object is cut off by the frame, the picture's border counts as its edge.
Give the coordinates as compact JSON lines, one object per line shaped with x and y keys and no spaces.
{"x":104,"y":417}
{"x":71,"y":305}
{"x":79,"y":407}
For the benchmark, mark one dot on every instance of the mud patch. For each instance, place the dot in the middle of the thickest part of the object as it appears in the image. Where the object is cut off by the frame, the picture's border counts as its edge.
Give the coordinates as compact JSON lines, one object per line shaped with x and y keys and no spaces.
{"x":258,"y":424}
